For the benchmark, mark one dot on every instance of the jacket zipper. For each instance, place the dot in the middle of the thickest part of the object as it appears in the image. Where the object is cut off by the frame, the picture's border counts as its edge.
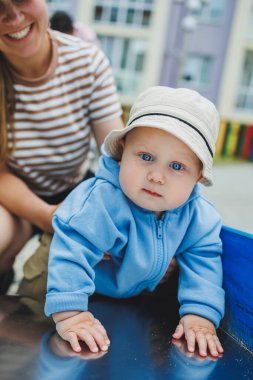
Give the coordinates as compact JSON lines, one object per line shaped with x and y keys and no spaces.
{"x":160,"y":253}
{"x":159,"y":229}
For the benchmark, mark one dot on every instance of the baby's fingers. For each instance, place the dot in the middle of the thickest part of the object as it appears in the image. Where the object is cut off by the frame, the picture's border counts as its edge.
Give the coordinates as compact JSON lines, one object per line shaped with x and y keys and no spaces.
{"x":101,"y":339}
{"x":95,"y":337}
{"x":102,"y":330}
{"x":179,"y":332}
{"x":87,"y":338}
{"x":218,"y":345}
{"x":190,"y":339}
{"x":202,"y":342}
{"x":214,"y":345}
{"x":71,"y":337}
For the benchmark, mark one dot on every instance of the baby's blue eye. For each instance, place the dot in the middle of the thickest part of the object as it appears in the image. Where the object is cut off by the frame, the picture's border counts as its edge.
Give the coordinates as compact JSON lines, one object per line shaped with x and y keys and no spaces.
{"x":146,"y":157}
{"x":176,"y":166}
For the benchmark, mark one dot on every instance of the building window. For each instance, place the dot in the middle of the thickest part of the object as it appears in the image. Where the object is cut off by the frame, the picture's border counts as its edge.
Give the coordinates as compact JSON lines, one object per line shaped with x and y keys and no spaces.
{"x":129,"y":12}
{"x":127,"y":58}
{"x":59,"y":3}
{"x":63,"y":5}
{"x":213,"y":12}
{"x":245,"y":93}
{"x":196,"y":72}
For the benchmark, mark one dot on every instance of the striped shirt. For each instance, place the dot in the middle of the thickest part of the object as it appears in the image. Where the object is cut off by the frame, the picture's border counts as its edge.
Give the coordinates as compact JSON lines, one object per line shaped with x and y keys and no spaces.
{"x":55,"y":113}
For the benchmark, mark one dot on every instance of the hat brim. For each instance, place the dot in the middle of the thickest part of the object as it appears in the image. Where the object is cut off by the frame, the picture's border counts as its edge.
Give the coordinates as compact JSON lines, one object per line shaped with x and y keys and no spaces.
{"x":170,"y":125}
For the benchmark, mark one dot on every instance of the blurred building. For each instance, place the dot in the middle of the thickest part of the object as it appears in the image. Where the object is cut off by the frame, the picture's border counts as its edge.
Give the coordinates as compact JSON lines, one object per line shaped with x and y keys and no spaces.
{"x":236,"y":87}
{"x":69,"y":6}
{"x":197,"y":38}
{"x":133,"y":35}
{"x":206,"y":45}
{"x":235,"y":100}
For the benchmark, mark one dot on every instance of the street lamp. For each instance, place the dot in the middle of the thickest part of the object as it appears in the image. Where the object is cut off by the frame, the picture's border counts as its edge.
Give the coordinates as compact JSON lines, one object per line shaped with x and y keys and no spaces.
{"x":188,"y":24}
{"x":194,"y":5}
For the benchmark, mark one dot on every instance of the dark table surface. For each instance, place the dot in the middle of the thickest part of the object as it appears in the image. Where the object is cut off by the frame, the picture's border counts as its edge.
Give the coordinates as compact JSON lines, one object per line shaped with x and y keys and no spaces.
{"x":141,"y":346}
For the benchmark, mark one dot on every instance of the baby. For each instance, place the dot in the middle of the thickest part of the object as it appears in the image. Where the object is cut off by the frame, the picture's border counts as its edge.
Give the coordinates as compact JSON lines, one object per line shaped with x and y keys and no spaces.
{"x":144,"y":208}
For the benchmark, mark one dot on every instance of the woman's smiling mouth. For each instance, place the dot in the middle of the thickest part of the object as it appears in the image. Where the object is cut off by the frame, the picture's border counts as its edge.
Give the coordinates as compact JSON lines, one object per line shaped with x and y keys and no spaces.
{"x":21,"y":34}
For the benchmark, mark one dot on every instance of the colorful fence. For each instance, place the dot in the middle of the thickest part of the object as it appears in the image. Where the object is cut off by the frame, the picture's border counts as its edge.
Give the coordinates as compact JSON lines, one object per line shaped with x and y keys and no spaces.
{"x":235,"y":140}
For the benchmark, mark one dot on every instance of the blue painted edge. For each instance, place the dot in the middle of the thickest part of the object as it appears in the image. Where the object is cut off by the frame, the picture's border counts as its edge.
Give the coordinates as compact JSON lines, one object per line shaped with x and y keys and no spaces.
{"x":237,"y":282}
{"x":238,"y":232}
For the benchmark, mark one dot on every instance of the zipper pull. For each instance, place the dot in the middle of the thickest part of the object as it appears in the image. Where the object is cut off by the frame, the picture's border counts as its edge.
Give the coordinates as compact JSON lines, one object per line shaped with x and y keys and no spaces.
{"x":159,"y":229}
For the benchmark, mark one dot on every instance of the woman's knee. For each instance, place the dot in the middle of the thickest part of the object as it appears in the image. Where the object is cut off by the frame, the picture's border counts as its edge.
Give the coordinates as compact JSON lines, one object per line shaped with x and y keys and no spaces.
{"x":14,"y":232}
{"x":7,"y":228}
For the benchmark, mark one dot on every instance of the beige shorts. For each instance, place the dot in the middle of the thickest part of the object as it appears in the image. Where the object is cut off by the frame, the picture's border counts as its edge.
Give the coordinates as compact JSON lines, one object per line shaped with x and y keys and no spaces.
{"x":34,"y":283}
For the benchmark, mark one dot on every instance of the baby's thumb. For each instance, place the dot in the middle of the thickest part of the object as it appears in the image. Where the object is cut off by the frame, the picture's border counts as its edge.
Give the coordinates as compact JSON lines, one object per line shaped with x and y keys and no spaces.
{"x":179,"y":332}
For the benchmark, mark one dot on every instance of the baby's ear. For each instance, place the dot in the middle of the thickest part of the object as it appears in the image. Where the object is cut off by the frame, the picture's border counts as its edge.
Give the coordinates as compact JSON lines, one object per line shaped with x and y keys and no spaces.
{"x":200,"y":171}
{"x":122,"y":145}
{"x":200,"y":177}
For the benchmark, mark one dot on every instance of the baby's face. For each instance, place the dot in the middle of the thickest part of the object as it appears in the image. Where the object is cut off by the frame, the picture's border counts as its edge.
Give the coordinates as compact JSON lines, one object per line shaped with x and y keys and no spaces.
{"x":157,"y":170}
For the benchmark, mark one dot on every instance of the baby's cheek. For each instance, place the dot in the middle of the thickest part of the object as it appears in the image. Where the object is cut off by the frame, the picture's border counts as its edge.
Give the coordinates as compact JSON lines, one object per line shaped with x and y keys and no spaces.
{"x":182,"y":195}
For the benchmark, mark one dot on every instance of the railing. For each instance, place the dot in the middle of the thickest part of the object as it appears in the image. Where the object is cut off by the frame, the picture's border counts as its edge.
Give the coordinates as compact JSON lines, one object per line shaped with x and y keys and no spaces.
{"x":235,"y":140}
{"x":238,"y":285}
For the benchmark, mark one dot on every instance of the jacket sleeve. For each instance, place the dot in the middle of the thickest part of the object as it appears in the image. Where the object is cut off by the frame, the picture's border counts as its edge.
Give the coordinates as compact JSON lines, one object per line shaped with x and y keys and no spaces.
{"x":83,"y":233}
{"x":200,"y":280}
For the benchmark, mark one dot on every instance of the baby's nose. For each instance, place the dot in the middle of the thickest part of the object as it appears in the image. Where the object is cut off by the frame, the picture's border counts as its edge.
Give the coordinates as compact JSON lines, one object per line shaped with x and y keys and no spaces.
{"x":156,"y":176}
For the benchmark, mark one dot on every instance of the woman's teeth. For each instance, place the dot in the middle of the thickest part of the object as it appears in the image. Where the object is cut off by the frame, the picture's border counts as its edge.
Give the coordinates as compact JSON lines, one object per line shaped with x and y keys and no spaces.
{"x":23,"y":33}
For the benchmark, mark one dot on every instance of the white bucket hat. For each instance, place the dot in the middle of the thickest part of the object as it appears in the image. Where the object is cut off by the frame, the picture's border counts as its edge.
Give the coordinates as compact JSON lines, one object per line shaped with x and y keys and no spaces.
{"x":182,"y":112}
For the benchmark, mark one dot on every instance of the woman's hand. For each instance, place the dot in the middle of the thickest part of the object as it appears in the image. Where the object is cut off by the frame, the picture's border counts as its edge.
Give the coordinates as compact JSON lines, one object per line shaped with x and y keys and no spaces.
{"x":27,"y":205}
{"x":46,"y":218}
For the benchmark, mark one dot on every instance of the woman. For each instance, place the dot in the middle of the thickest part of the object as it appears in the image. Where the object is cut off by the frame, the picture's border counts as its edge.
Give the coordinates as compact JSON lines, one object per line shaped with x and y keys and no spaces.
{"x":55,"y":91}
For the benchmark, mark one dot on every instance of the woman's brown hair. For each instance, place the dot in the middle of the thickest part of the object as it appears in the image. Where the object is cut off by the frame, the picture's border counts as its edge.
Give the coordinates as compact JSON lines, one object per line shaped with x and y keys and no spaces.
{"x":7,"y":107}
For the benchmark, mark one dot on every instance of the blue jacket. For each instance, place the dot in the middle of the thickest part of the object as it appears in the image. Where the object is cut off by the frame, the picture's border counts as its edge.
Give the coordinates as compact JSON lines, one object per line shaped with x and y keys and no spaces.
{"x":97,"y":217}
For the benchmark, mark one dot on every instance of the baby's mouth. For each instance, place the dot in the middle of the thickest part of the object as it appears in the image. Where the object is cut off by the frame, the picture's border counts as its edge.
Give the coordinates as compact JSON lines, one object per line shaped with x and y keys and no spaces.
{"x":152,"y":193}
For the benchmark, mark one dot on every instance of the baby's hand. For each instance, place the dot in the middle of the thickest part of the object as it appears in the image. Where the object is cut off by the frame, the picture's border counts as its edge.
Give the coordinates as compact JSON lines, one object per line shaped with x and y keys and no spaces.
{"x":201,"y":331}
{"x":81,"y":326}
{"x":62,"y":348}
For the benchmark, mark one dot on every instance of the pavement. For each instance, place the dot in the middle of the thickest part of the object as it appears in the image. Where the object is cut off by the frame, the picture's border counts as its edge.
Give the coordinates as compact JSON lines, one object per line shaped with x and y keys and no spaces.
{"x":232,"y":194}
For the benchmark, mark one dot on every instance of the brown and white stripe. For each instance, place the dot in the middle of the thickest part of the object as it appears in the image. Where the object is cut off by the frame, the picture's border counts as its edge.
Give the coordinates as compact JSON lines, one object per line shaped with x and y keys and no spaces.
{"x":55,"y":113}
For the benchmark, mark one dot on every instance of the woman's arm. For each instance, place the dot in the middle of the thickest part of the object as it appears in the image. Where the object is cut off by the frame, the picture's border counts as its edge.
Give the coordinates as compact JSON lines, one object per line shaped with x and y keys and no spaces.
{"x":101,"y":130}
{"x":16,"y":196}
